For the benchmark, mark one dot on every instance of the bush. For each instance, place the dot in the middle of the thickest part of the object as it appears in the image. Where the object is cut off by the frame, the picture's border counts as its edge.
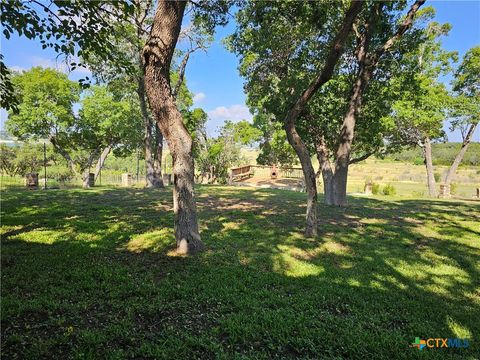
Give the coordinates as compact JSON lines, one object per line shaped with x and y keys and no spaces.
{"x":453,"y":188}
{"x":437,"y":176}
{"x":375,"y":188}
{"x":418,"y":161}
{"x":60,"y":174}
{"x":389,"y":190}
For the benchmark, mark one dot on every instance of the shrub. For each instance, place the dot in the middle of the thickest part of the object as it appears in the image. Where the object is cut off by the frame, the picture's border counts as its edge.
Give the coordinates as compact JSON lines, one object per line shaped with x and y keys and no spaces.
{"x":375,"y":188}
{"x":418,"y":161}
{"x":453,"y":188}
{"x":437,"y":176}
{"x":389,"y":190}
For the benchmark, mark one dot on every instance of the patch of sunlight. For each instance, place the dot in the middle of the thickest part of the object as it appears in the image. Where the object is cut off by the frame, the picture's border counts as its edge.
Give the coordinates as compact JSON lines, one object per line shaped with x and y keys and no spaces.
{"x":43,"y":236}
{"x":152,"y":241}
{"x":335,"y":248}
{"x":375,"y":284}
{"x":9,"y":228}
{"x":230,"y":225}
{"x":460,"y":331}
{"x":354,"y":282}
{"x":392,"y":280}
{"x":288,"y":265}
{"x":374,"y":221}
{"x":87,"y":237}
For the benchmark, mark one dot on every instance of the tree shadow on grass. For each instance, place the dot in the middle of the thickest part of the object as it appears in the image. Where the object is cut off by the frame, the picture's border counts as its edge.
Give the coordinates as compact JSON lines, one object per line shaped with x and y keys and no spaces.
{"x":94,"y":278}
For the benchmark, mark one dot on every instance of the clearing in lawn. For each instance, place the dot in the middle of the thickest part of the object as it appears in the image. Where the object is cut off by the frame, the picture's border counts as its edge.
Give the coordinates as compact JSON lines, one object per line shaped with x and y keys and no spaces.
{"x":90,"y":274}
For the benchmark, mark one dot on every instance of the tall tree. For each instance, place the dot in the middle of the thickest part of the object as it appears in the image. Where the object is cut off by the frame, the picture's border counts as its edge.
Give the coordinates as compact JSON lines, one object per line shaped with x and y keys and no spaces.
{"x":424,"y":102}
{"x":281,"y":56}
{"x":68,"y":27}
{"x":157,"y":58}
{"x":45,"y":111}
{"x":273,"y":44}
{"x":466,"y":108}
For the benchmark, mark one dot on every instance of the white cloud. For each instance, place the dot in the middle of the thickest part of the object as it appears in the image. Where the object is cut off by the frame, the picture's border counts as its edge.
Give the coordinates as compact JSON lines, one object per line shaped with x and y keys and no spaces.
{"x":199,"y":97}
{"x":235,"y":112}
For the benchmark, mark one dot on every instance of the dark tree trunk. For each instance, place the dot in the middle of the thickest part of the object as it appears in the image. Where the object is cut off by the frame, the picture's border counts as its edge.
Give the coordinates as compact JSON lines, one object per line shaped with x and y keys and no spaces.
{"x":325,"y":169}
{"x":158,"y":54}
{"x":427,"y":153}
{"x":345,"y":142}
{"x":157,"y":162}
{"x":101,"y":160}
{"x":458,"y":159}
{"x":151,"y":178}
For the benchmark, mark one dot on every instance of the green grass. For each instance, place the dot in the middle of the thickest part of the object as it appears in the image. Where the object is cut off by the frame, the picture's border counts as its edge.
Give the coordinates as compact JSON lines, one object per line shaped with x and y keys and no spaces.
{"x":90,"y":274}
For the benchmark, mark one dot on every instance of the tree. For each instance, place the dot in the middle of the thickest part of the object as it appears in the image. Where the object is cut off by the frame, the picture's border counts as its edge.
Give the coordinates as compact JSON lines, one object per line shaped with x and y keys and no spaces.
{"x":271,"y":43}
{"x":466,"y":108}
{"x":217,"y":155}
{"x":111,"y":122}
{"x":274,"y":147}
{"x":45,"y":111}
{"x":287,"y":63}
{"x":68,"y":27}
{"x":424,"y":102}
{"x":157,"y":58}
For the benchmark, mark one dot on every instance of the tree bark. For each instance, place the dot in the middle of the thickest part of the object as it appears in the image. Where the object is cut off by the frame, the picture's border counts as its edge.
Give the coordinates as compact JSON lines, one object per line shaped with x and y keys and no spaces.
{"x":325,"y":169}
{"x":427,"y":153}
{"x":346,"y":136}
{"x":157,"y":158}
{"x":309,"y":174}
{"x":151,"y":178}
{"x":367,"y":64}
{"x":336,"y":50}
{"x":157,"y":54}
{"x":101,"y":160}
{"x":458,"y":159}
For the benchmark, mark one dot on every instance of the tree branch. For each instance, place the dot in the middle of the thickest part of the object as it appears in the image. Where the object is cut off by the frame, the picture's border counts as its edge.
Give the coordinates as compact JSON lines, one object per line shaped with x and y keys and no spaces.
{"x":406,"y":24}
{"x":336,"y":50}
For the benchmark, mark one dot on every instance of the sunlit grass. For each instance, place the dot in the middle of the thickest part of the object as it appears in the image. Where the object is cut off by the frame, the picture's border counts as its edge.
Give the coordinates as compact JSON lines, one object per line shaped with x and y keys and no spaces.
{"x":91,"y":274}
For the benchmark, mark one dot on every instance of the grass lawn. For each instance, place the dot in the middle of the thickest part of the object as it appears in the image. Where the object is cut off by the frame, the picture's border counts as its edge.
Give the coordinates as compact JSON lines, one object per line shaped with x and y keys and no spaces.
{"x":91,"y":274}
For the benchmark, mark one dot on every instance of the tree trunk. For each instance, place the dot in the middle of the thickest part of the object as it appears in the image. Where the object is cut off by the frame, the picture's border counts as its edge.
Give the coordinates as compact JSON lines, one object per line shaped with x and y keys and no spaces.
{"x":326,"y":73}
{"x":152,"y":179}
{"x":158,"y":54}
{"x":308,"y":173}
{"x":427,"y":153}
{"x":101,"y":160}
{"x":325,"y":169}
{"x":157,"y":161}
{"x":458,"y":158}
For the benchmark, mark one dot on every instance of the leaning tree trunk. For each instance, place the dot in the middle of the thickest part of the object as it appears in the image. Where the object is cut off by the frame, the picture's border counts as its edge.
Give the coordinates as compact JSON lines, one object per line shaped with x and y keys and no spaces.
{"x":158,"y":53}
{"x":458,"y":159}
{"x":101,"y":160}
{"x":427,"y":153}
{"x":308,"y":173}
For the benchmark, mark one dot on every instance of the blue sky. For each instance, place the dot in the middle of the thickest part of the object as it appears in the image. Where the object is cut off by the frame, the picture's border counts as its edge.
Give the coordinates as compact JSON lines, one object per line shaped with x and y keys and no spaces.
{"x":213,"y":76}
